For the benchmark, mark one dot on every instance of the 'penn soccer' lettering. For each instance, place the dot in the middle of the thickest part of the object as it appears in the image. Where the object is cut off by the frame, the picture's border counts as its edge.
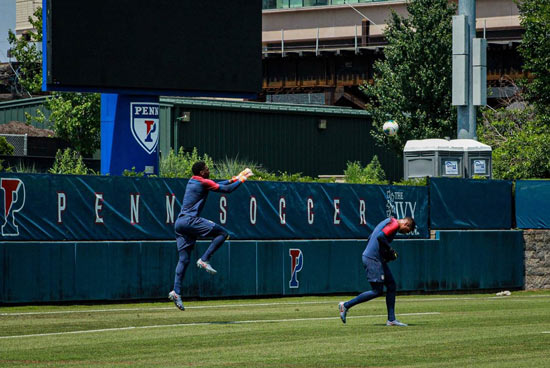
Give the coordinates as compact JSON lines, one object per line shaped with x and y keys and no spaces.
{"x":402,"y":209}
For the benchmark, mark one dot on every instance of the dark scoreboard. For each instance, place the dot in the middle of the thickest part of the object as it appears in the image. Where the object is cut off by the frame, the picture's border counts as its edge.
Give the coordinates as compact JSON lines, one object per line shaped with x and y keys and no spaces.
{"x":163,"y":47}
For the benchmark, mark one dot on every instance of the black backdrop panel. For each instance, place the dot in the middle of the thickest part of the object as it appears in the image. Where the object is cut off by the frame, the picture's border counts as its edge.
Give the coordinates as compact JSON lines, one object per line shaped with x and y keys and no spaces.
{"x":209,"y":46}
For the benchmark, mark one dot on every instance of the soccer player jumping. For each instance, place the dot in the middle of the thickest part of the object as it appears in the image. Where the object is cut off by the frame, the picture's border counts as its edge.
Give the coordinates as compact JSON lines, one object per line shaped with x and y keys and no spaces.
{"x":189,"y":225}
{"x":376,"y":256}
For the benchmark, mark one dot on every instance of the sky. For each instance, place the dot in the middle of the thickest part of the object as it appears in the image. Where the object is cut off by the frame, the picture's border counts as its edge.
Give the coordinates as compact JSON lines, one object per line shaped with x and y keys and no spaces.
{"x":7,"y":21}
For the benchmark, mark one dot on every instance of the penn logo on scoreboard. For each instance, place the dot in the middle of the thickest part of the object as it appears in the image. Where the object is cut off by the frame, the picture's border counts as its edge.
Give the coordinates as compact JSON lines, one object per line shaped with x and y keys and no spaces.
{"x":14,"y":200}
{"x":144,"y":124}
{"x":296,"y":264}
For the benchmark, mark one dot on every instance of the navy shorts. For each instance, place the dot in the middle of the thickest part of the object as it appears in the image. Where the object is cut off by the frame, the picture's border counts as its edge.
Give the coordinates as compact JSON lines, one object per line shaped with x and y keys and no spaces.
{"x":376,"y":271}
{"x":189,"y":228}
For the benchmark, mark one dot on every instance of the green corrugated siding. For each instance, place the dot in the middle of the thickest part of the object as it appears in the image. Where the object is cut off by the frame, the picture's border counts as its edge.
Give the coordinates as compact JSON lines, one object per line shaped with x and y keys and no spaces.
{"x":166,"y":128}
{"x":281,"y":137}
{"x":15,"y":111}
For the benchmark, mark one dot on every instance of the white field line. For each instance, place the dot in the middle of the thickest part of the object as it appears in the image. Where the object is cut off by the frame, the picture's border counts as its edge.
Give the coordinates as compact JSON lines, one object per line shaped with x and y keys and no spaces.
{"x":209,"y":324}
{"x":546,"y":332}
{"x":402,"y":300}
{"x":163,"y":308}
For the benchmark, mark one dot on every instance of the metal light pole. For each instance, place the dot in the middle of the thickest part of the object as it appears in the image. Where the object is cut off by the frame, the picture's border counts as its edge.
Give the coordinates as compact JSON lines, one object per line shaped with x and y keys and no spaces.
{"x":469,"y":69}
{"x":466,"y":114}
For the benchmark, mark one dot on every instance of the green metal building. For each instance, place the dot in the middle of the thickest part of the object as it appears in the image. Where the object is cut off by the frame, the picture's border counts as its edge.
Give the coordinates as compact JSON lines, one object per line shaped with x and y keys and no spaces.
{"x":313,"y":140}
{"x":15,"y":110}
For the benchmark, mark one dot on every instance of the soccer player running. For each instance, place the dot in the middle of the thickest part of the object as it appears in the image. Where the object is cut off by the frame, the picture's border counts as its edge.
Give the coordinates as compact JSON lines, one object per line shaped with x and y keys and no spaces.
{"x":189,"y":225}
{"x":376,"y":256}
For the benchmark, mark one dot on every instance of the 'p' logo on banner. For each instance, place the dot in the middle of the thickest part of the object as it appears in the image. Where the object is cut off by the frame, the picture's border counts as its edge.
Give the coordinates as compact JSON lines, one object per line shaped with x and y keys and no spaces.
{"x":296,"y":264}
{"x":144,"y":124}
{"x":14,"y":200}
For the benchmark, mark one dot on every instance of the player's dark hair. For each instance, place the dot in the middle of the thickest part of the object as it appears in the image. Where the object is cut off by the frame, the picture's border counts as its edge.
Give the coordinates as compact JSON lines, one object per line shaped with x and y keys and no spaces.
{"x":411,"y":222}
{"x":198,"y":167}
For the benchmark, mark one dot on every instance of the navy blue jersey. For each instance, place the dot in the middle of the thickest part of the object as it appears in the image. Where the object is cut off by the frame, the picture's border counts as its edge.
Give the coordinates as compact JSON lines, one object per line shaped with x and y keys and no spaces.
{"x":197,"y":190}
{"x":381,"y":236}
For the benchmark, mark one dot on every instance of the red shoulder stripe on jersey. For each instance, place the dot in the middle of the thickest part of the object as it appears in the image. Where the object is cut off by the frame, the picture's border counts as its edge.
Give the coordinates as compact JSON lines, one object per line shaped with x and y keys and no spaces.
{"x":391,"y":227}
{"x":209,"y":184}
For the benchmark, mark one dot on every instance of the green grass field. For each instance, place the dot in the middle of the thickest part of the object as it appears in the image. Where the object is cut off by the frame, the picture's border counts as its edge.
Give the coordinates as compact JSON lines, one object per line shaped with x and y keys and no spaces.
{"x":479,"y":330}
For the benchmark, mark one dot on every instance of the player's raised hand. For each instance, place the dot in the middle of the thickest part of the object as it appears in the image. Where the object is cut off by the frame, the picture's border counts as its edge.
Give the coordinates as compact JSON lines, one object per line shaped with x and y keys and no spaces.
{"x":244,"y":175}
{"x":247,"y":172}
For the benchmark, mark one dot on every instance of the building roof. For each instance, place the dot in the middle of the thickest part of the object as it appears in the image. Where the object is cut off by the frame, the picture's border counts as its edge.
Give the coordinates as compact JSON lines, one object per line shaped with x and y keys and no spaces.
{"x":263,"y":106}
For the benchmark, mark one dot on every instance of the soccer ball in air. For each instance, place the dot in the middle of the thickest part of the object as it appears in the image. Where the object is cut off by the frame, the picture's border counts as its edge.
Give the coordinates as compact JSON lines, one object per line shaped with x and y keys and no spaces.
{"x":390,"y":128}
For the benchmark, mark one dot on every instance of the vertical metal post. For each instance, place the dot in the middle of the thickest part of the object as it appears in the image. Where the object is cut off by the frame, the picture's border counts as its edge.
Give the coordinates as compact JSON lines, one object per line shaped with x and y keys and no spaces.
{"x":317,"y":43}
{"x":466,"y":115}
{"x":176,"y":123}
{"x":356,"y":50}
{"x":282,"y":42}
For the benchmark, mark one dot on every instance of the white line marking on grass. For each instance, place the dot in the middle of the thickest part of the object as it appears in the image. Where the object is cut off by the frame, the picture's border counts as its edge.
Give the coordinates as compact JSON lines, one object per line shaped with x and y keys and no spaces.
{"x":209,"y":324}
{"x":163,"y":308}
{"x":84,"y":311}
{"x":515,"y":298}
{"x":546,"y":332}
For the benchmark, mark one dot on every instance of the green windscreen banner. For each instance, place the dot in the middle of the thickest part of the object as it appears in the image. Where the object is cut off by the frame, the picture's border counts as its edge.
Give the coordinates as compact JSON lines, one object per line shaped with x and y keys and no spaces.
{"x":533,"y":204}
{"x":66,"y":207}
{"x":470,"y":204}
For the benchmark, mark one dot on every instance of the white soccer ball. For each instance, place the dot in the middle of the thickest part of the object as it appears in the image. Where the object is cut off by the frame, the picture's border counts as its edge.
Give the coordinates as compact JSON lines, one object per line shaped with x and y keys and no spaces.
{"x":390,"y":128}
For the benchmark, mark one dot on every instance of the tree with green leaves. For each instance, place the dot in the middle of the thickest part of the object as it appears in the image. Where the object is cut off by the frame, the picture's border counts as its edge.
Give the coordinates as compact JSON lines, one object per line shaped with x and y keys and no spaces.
{"x":535,"y":49}
{"x":28,"y":55}
{"x":77,"y":119}
{"x":519,"y":133}
{"x":413,"y":83}
{"x":520,"y":142}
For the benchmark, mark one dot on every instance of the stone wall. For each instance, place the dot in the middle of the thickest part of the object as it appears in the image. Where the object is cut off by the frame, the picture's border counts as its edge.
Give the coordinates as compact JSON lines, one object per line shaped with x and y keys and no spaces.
{"x":537,"y":259}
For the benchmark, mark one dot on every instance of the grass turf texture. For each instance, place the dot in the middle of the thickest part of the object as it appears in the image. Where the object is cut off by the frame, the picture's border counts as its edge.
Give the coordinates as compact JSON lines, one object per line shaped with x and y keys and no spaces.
{"x":444,"y":331}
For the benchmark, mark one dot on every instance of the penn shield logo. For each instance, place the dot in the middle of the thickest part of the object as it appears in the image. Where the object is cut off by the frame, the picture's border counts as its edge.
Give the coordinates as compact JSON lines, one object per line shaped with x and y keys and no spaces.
{"x":14,"y":200}
{"x":296,"y":264}
{"x":144,"y":124}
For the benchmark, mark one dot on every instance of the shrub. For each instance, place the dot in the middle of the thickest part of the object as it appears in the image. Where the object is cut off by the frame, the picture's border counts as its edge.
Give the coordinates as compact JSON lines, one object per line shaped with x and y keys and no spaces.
{"x":22,"y":168}
{"x":179,"y":165}
{"x":69,"y":162}
{"x":371,"y":174}
{"x":133,"y":173}
{"x":421,"y":182}
{"x":261,"y":174}
{"x":6,"y":149}
{"x":229,"y":167}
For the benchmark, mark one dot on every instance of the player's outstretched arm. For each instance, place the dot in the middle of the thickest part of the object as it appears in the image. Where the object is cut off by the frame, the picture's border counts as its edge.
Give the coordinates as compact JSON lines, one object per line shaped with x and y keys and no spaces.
{"x":243,"y":176}
{"x":235,"y":182}
{"x":227,"y":188}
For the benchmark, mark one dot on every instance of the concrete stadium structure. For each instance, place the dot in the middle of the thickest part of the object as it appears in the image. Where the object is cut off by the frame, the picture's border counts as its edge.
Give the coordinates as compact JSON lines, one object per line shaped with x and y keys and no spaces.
{"x":329,"y":49}
{"x":320,"y":51}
